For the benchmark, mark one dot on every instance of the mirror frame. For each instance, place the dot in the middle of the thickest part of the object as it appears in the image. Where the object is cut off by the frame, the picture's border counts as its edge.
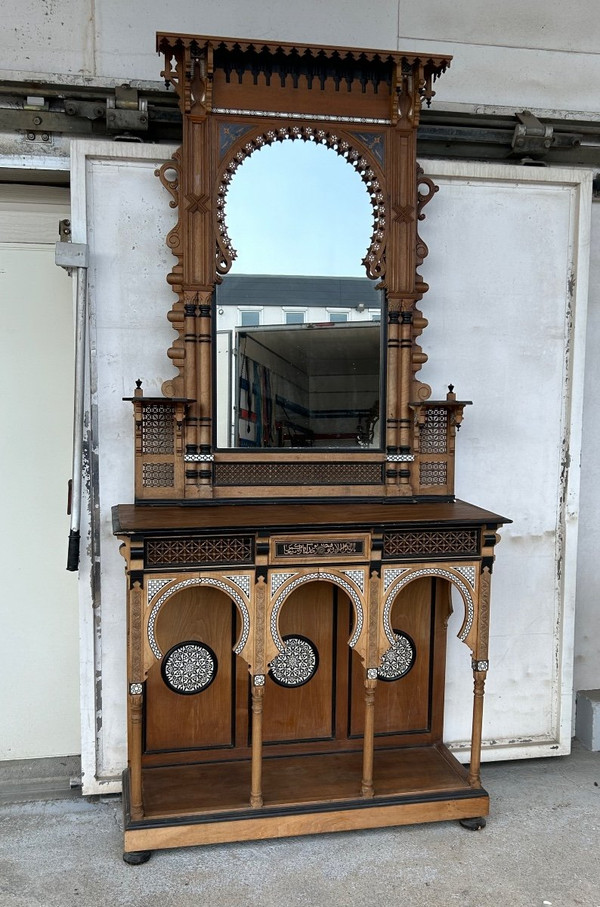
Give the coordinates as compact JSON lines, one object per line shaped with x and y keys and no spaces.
{"x":235,"y":97}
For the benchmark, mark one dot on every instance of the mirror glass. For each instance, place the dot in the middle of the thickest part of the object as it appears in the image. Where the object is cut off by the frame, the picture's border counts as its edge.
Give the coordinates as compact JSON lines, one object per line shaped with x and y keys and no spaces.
{"x":298,"y":346}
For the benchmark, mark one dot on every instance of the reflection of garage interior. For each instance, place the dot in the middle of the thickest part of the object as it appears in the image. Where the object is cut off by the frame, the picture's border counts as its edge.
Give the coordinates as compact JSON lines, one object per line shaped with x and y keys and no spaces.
{"x":307,"y":385}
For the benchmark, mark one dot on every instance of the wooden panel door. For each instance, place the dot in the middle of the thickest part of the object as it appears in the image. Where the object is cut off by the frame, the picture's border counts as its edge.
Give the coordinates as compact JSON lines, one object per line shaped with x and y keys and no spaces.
{"x":409,"y":709}
{"x":207,"y":719}
{"x":306,"y":712}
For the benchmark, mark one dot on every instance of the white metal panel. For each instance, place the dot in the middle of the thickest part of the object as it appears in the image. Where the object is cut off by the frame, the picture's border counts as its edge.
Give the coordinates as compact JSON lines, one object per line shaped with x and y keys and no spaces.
{"x":507,"y":306}
{"x":504,"y":312}
{"x":39,"y":656}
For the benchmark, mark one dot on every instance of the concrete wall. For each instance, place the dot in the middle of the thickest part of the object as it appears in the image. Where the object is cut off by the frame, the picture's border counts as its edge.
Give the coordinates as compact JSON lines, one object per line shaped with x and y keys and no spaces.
{"x":534,"y":54}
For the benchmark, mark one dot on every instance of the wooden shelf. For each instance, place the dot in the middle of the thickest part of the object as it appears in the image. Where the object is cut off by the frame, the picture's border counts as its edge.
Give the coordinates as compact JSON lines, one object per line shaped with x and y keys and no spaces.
{"x":292,"y":782}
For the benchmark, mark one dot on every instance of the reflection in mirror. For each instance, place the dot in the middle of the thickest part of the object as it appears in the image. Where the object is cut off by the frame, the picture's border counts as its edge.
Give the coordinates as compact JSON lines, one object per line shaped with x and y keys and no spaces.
{"x":298,"y":327}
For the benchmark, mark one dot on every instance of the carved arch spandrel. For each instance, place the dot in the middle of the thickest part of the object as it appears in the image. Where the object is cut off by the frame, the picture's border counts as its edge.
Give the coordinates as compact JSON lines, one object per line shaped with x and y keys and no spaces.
{"x":283,"y":583}
{"x":347,"y":146}
{"x":238,"y":586}
{"x":464,"y":577}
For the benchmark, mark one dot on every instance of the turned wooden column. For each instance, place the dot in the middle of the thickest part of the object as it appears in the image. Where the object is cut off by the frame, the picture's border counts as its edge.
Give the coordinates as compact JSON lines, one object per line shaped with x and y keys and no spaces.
{"x":478,"y":694}
{"x":135,"y":698}
{"x":366,"y":788}
{"x":135,"y":755}
{"x":205,"y":378}
{"x":393,"y":384}
{"x":256,"y":797}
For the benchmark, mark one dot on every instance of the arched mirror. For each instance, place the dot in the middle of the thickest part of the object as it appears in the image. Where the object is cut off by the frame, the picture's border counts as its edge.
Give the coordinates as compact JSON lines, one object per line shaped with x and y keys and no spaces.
{"x":298,"y":326}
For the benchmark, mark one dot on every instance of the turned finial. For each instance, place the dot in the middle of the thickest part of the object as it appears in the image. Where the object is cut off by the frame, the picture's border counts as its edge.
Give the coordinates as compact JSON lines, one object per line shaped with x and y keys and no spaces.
{"x":138,"y":392}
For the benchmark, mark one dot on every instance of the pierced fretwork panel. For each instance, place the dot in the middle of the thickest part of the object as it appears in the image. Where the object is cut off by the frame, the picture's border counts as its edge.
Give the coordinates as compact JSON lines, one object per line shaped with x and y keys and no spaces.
{"x":416,"y":543}
{"x":157,"y":429}
{"x":434,"y":434}
{"x":435,"y":473}
{"x":212,"y":550}
{"x":298,"y":473}
{"x":158,"y":475}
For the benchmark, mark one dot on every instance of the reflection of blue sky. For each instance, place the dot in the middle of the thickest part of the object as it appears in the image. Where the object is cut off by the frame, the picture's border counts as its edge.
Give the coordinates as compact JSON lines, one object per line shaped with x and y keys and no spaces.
{"x":295,"y":207}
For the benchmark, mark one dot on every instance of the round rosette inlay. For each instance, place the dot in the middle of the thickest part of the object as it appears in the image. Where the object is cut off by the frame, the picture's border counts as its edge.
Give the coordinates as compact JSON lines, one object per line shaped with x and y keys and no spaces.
{"x":189,"y":667}
{"x":297,"y":664}
{"x":399,"y":658}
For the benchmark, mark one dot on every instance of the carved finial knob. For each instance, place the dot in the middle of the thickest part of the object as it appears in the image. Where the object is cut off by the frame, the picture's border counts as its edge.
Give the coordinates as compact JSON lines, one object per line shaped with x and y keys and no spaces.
{"x":138,"y":388}
{"x":450,"y":395}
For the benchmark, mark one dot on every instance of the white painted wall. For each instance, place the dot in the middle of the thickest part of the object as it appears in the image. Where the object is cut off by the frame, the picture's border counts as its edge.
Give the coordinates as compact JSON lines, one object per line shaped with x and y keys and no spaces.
{"x":39,"y":651}
{"x":587,"y":624}
{"x":542,"y":55}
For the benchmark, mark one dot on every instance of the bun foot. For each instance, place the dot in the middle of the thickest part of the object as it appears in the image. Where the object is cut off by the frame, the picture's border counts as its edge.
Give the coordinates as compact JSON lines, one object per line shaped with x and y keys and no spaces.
{"x":473,"y":824}
{"x":137,"y":857}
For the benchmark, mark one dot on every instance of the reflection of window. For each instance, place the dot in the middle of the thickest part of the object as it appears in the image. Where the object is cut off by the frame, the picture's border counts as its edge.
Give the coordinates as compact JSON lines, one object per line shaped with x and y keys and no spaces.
{"x":375,"y":315}
{"x":294,"y":317}
{"x":249,"y":318}
{"x":338,"y":316}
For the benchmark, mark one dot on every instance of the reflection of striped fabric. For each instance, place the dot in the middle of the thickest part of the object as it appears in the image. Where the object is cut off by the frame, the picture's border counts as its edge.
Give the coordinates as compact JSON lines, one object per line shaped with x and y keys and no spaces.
{"x":256,"y":422}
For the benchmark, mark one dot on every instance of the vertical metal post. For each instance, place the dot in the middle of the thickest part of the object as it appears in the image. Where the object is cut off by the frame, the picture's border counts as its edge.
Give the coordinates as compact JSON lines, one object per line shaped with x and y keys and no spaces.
{"x":74,"y":258}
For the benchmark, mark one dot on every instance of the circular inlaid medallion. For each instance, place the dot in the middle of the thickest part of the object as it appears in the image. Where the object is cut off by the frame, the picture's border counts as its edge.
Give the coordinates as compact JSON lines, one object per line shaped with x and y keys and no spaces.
{"x":297,"y":664}
{"x":399,"y":658}
{"x":189,"y":667}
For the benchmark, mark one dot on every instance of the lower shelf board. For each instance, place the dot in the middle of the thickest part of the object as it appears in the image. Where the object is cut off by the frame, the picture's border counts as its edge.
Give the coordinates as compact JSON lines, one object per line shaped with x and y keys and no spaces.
{"x":209,"y":803}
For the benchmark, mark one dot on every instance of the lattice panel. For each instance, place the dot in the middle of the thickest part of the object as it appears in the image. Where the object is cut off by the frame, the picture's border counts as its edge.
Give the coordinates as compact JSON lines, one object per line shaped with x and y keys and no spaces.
{"x":437,"y":543}
{"x":298,"y":474}
{"x":189,"y":552}
{"x":158,"y":475}
{"x":433,"y":473}
{"x":157,"y":428}
{"x":434,"y":434}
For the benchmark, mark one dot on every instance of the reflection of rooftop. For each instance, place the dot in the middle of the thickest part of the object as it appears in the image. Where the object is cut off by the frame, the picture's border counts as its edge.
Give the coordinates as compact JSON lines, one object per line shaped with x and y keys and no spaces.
{"x":298,"y":290}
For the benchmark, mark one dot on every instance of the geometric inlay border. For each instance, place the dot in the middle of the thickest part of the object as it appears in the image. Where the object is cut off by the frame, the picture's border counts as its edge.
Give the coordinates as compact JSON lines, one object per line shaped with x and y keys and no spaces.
{"x":154,"y":587}
{"x":278,"y":579}
{"x":430,"y":571}
{"x":311,"y":577}
{"x":468,"y":573}
{"x":243,"y":582}
{"x":358,"y":577}
{"x":200,"y":581}
{"x":390,"y":574}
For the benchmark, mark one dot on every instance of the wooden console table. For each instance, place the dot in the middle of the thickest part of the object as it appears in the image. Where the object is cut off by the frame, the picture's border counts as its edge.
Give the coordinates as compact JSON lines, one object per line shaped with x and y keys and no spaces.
{"x":348,"y":596}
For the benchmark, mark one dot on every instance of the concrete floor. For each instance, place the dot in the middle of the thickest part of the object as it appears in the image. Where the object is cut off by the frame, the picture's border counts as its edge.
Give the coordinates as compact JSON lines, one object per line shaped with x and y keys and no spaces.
{"x":541,"y":847}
